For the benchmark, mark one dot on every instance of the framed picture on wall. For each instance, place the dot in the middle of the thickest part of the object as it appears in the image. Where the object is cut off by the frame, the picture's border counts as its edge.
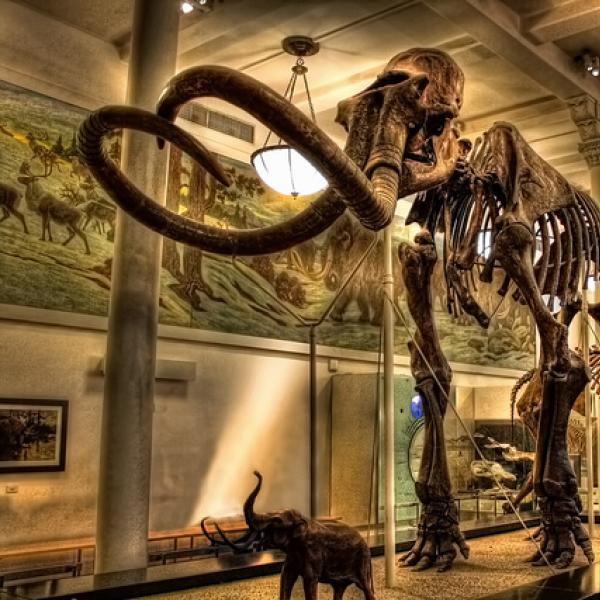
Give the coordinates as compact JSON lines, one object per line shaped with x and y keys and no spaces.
{"x":33,"y":435}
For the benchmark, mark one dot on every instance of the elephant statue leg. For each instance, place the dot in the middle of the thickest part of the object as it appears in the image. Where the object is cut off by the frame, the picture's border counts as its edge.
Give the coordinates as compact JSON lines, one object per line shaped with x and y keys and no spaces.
{"x":338,"y":591}
{"x":311,"y":586}
{"x":564,"y":376}
{"x":289,"y":577}
{"x":438,"y":529}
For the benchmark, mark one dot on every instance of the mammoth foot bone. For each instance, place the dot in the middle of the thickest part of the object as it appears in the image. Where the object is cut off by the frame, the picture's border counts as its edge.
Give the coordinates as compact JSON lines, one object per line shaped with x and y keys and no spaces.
{"x":437,"y":535}
{"x":560,"y":532}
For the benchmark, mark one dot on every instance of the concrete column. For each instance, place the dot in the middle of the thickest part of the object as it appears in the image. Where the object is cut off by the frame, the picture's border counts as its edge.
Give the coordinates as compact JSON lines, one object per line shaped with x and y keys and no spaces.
{"x":589,"y":454}
{"x":595,"y":178}
{"x":585,"y":113}
{"x":126,"y":443}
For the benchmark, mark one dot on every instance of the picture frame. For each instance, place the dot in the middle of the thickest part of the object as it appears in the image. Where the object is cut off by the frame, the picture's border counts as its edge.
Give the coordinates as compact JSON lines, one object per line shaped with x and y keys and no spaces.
{"x":33,"y":435}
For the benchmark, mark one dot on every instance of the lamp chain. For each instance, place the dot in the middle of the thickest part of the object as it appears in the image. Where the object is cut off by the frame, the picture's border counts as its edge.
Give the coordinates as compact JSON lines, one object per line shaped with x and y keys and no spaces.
{"x":298,"y":69}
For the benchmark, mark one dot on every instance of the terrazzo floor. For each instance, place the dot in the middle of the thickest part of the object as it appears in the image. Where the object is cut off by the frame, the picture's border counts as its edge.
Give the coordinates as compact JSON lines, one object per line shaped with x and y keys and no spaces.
{"x":496,"y":563}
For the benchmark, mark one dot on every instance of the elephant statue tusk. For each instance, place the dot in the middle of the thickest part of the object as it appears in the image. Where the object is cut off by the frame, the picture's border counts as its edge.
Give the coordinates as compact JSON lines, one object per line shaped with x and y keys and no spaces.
{"x":213,"y":540}
{"x":242,"y":544}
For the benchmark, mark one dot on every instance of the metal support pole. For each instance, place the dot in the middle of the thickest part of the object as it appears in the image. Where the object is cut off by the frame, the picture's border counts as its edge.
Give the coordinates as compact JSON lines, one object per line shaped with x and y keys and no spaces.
{"x":596,"y":403}
{"x":593,"y":327}
{"x":126,"y":440}
{"x":589,"y":453}
{"x":388,"y":410}
{"x":314,"y":463}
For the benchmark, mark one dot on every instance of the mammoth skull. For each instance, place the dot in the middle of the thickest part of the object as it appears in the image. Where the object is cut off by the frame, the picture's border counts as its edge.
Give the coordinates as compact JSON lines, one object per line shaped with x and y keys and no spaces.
{"x":401,"y":139}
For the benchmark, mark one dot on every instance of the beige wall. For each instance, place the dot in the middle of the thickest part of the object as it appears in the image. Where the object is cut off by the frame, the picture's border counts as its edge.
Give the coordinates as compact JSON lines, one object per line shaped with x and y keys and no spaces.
{"x":53,"y":58}
{"x":244,"y":411}
{"x":46,"y":362}
{"x":248,"y":408}
{"x":492,"y":402}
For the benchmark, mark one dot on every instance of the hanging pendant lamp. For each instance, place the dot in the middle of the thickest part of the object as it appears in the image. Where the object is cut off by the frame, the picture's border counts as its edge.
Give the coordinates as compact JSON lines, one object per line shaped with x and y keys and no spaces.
{"x":278,"y":165}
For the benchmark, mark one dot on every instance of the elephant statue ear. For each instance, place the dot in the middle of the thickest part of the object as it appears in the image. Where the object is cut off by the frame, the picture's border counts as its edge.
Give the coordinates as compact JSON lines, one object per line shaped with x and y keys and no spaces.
{"x":300,"y":528}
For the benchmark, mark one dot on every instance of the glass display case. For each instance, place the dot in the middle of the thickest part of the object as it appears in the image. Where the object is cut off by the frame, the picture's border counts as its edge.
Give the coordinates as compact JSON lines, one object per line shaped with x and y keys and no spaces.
{"x":490,"y":456}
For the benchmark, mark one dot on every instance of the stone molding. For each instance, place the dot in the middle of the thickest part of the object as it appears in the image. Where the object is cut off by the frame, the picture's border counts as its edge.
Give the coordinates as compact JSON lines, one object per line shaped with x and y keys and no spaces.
{"x":585,"y":113}
{"x":591,"y":151}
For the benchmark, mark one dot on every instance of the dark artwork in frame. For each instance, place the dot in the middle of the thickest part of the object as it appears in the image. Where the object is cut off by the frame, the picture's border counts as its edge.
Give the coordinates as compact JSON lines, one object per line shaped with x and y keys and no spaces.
{"x":33,"y":435}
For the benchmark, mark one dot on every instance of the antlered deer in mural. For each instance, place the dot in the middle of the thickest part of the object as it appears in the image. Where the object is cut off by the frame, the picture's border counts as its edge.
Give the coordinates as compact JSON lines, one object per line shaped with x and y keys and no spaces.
{"x":50,"y":208}
{"x":402,"y":139}
{"x":99,"y":212}
{"x":10,"y":198}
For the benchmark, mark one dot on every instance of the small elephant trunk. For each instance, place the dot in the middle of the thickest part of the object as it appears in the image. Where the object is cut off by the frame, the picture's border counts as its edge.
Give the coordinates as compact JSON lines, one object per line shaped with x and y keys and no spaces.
{"x":253,"y":520}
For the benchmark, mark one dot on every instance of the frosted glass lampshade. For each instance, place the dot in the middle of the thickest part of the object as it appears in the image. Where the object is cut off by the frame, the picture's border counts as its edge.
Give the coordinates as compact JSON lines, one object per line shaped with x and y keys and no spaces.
{"x":286,"y":171}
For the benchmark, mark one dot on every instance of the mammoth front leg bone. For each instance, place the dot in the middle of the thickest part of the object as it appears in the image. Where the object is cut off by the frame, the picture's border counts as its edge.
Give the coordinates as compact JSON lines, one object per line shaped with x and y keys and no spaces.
{"x":438,"y":530}
{"x":564,"y":376}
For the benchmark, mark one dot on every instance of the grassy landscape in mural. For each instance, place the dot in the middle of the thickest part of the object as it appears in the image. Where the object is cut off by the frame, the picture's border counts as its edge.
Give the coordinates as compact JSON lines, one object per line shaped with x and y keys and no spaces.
{"x":258,"y":296}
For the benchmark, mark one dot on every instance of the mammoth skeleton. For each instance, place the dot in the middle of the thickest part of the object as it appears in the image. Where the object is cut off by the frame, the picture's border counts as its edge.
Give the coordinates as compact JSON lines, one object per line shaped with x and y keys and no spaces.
{"x":402,"y":139}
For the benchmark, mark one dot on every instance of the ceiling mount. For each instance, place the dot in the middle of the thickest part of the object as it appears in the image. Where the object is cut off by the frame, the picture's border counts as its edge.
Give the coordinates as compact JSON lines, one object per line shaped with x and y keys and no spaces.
{"x":300,"y":45}
{"x":279,"y":165}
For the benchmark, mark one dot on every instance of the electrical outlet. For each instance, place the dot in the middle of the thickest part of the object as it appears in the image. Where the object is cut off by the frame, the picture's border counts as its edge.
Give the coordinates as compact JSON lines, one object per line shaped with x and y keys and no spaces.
{"x":333,"y":365}
{"x":11,"y":488}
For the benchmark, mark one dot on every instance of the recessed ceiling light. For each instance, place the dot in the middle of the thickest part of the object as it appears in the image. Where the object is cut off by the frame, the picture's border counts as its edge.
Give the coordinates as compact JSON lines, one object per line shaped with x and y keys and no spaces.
{"x":187,"y":7}
{"x":205,"y":6}
{"x":591,"y":62}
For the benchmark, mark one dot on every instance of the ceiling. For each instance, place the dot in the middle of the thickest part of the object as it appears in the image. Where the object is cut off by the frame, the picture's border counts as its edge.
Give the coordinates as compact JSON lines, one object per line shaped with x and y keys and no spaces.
{"x":518,"y":56}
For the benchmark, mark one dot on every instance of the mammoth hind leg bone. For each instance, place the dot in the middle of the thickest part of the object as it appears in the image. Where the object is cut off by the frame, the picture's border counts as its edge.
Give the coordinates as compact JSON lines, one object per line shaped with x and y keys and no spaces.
{"x":564,"y":375}
{"x":554,"y":480}
{"x":438,"y":530}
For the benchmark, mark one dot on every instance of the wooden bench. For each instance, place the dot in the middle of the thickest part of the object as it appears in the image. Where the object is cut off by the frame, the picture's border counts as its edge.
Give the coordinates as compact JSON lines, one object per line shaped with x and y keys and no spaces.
{"x":174,"y":555}
{"x":73,"y":566}
{"x":12,"y":579}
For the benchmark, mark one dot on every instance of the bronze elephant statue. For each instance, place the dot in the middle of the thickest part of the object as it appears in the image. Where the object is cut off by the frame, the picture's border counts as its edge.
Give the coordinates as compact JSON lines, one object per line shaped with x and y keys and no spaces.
{"x":332,"y":553}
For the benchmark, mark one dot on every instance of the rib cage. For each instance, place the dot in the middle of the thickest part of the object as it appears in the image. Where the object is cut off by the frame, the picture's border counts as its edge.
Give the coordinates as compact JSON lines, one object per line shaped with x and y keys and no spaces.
{"x":564,"y":238}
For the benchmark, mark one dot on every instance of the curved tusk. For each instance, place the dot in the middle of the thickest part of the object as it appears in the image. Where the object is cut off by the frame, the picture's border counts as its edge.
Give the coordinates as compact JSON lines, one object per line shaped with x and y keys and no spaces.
{"x":372,"y":204}
{"x":303,"y":226}
{"x":208,"y":536}
{"x":233,"y":545}
{"x":249,"y":513}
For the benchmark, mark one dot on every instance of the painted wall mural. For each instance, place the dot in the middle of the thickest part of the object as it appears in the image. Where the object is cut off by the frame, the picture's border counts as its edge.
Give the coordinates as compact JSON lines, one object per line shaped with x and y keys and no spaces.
{"x":56,"y":247}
